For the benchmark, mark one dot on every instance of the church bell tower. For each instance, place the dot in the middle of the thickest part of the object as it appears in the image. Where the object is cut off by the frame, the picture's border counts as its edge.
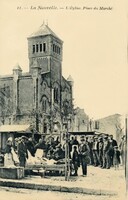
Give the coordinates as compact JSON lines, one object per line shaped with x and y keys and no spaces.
{"x":44,"y":51}
{"x":45,"y":65}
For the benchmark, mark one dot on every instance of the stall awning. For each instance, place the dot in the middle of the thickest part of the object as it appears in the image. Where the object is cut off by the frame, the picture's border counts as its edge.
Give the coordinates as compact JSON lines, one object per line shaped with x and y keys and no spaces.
{"x":85,"y":133}
{"x":15,"y":128}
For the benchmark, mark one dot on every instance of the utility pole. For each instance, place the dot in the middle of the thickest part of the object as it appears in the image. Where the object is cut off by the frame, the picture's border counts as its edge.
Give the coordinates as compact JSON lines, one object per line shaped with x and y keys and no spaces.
{"x":37,"y":114}
{"x":67,"y":111}
{"x":66,"y":156}
{"x":67,"y":162}
{"x":126,"y":151}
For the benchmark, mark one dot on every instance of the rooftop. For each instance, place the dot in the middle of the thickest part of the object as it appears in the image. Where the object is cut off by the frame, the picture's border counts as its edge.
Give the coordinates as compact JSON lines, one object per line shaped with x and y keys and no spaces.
{"x":17,"y":67}
{"x":43,"y":31}
{"x":70,"y":79}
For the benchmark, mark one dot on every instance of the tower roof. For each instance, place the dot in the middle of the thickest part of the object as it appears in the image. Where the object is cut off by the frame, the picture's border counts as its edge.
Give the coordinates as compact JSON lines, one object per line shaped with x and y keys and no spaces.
{"x":70,"y":79}
{"x":43,"y":31}
{"x":17,"y":67}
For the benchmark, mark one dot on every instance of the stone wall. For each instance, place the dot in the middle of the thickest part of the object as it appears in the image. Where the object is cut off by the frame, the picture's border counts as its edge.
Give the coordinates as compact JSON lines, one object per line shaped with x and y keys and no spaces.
{"x":6,"y":99}
{"x":26,"y":95}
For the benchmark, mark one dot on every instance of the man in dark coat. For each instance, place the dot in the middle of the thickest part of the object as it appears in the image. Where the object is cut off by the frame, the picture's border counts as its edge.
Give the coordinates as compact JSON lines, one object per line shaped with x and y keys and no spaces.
{"x":84,"y":153}
{"x":106,"y":153}
{"x":90,"y":144}
{"x":30,"y":146}
{"x":113,"y":143}
{"x":58,"y":153}
{"x":22,"y":151}
{"x":71,"y":141}
{"x":95,"y":151}
{"x":100,"y":152}
{"x":75,"y":141}
{"x":42,"y":145}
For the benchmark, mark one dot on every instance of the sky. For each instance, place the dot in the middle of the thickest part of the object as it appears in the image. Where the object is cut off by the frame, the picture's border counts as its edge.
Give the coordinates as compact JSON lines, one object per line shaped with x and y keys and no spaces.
{"x":94,"y":49}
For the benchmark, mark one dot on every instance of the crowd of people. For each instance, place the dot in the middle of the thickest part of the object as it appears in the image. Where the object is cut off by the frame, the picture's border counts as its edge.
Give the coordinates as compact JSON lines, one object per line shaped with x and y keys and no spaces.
{"x":98,"y":150}
{"x":23,"y":146}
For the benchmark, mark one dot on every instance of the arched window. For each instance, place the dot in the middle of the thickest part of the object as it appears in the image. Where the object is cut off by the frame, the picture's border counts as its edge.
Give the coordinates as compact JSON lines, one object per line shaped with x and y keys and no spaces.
{"x":59,"y":50}
{"x":44,"y":86}
{"x":66,"y":107}
{"x":45,"y":127}
{"x":44,"y":105}
{"x":33,"y":50}
{"x":36,"y":47}
{"x":56,"y":95}
{"x":44,"y":47}
{"x":53,"y":47}
{"x":56,"y":49}
{"x":40,"y":47}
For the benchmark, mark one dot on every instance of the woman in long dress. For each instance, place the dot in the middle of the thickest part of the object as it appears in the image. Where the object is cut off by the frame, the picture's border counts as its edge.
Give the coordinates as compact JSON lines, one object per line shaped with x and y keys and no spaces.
{"x":8,"y":159}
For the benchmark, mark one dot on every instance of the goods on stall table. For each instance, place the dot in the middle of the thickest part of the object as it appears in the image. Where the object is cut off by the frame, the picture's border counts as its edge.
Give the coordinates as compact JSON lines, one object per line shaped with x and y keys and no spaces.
{"x":41,"y":164}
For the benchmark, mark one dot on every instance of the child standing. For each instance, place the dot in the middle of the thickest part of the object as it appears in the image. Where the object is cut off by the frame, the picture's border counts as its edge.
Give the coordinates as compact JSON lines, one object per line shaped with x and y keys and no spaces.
{"x":75,"y":160}
{"x":116,"y":158}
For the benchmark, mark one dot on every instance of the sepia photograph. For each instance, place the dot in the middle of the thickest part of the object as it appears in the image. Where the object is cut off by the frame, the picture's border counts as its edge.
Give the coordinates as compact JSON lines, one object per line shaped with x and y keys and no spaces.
{"x":63,"y":100}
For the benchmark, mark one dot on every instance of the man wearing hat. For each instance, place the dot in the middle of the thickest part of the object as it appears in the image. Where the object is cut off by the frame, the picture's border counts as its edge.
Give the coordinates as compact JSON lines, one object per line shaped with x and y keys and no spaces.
{"x":84,"y":153}
{"x":22,"y":151}
{"x":106,"y":151}
{"x":100,"y":152}
{"x":90,"y":144}
{"x":95,"y":151}
{"x":113,"y":143}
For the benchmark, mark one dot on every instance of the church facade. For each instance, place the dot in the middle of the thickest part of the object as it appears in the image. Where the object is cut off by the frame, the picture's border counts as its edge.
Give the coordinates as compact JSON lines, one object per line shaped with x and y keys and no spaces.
{"x":41,"y":97}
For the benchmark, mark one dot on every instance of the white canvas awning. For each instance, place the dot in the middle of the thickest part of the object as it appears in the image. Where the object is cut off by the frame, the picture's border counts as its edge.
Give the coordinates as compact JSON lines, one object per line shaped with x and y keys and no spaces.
{"x":15,"y":128}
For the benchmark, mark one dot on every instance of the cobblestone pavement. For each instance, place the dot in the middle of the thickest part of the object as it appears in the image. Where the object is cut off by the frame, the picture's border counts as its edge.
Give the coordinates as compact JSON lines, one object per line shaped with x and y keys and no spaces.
{"x":24,"y":194}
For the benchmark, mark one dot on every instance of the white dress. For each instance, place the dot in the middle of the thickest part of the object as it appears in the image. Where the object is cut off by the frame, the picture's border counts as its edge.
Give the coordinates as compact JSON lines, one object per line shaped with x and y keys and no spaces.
{"x":8,"y":160}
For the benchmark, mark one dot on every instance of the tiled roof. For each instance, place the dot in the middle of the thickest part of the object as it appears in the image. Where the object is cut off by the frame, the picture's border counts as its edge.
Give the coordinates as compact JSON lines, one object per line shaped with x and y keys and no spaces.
{"x":42,"y":31}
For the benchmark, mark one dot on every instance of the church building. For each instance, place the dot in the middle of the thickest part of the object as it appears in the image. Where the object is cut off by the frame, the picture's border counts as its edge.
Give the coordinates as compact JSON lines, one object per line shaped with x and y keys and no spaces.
{"x":41,"y":97}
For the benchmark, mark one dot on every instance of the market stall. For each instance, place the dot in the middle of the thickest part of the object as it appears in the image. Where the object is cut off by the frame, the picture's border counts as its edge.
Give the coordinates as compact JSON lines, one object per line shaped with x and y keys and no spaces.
{"x":42,"y":165}
{"x":13,"y":131}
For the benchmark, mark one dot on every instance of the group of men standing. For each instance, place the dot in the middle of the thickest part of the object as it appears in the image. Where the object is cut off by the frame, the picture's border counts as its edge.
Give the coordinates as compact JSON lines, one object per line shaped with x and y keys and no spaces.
{"x":80,"y":155}
{"x":103,"y":151}
{"x":99,"y":150}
